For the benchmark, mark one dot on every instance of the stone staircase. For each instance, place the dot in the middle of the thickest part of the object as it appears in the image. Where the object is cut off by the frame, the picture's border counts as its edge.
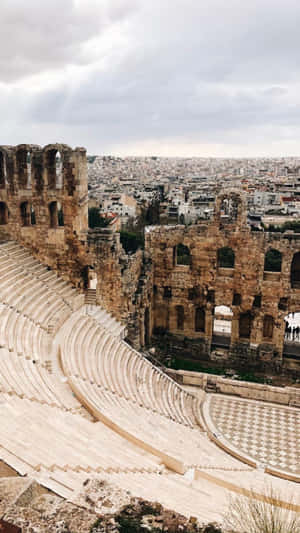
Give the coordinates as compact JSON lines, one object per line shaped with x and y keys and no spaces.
{"x":90,"y":297}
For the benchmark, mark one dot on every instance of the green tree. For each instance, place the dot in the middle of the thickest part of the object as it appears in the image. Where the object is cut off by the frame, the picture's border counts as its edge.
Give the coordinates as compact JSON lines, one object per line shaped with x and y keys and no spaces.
{"x":131,"y":241}
{"x":95,"y":219}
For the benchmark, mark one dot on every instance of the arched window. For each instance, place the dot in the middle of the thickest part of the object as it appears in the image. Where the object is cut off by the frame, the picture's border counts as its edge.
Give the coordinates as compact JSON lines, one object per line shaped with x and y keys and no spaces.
{"x":273,"y":260}
{"x":53,"y":214}
{"x":2,"y":170}
{"x":54,"y":168}
{"x":295,"y":271}
{"x":56,"y":215}
{"x":23,"y":167}
{"x":28,"y":165}
{"x":245,"y":325}
{"x":183,"y":255}
{"x":3,"y":213}
{"x":200,"y":319}
{"x":268,"y":327}
{"x":37,"y":171}
{"x":25,"y":213}
{"x":68,"y":176}
{"x":180,"y":317}
{"x":226,"y":257}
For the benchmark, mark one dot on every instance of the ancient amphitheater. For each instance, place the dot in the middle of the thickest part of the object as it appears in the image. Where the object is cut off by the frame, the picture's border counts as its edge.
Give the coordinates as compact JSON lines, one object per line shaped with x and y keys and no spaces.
{"x":76,"y":400}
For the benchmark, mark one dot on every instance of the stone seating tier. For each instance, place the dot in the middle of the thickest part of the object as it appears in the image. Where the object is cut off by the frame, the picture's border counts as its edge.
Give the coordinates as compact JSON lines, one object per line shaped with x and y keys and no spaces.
{"x":63,"y":365}
{"x":115,"y":366}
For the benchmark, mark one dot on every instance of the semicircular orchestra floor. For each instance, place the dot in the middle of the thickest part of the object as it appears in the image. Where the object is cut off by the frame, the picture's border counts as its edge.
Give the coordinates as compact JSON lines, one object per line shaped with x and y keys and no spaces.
{"x":268,"y":433}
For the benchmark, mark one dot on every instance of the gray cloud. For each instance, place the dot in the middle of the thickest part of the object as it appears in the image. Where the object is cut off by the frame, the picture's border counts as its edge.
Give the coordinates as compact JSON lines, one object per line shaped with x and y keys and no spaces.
{"x":217,"y":72}
{"x":36,"y":36}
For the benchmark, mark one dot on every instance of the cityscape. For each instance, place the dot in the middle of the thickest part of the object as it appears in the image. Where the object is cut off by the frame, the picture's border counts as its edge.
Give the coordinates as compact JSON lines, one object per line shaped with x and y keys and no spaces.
{"x":187,"y":187}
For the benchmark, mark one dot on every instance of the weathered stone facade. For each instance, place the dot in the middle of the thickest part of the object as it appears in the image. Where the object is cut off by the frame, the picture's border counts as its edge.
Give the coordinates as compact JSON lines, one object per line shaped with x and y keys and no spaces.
{"x":44,"y":206}
{"x":44,"y":203}
{"x":186,"y":295}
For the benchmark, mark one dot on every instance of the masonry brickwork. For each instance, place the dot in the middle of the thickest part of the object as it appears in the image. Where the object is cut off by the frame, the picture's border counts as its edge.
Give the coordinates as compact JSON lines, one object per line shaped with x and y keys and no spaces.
{"x":44,"y":206}
{"x":259,"y":299}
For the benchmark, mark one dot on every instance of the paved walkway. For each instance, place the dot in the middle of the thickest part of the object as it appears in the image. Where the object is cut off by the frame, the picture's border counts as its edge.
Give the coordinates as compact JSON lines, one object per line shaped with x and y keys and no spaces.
{"x":268,"y":433}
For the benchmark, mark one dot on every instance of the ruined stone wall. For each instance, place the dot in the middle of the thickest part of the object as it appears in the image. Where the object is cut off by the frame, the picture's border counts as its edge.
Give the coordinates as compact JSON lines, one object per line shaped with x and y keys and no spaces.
{"x":44,"y":206}
{"x":124,"y":282}
{"x":243,"y":389}
{"x":44,"y":203}
{"x":247,"y":289}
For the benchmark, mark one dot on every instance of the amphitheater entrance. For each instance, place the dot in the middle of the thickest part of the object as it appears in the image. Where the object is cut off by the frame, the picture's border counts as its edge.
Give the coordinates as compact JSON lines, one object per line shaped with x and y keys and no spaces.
{"x":89,"y":278}
{"x":292,"y":336}
{"x":222,"y":326}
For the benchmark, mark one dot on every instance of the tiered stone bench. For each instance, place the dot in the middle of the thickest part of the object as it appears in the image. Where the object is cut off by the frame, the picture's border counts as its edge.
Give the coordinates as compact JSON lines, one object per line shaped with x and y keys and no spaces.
{"x":77,"y":401}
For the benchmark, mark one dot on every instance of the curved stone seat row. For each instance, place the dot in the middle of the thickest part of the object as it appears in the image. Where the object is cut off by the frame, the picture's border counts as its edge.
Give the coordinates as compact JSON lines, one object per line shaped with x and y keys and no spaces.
{"x":93,"y":354}
{"x":33,"y":289}
{"x":20,"y":334}
{"x":27,"y":378}
{"x":47,"y":437}
{"x":46,"y":380}
{"x":21,"y":376}
{"x":125,"y":391}
{"x":24,"y":354}
{"x":106,"y":320}
{"x":187,"y":446}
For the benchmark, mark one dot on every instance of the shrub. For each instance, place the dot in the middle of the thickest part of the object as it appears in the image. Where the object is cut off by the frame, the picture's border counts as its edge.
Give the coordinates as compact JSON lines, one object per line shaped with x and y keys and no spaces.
{"x":249,"y":515}
{"x":95,"y":219}
{"x":131,"y":241}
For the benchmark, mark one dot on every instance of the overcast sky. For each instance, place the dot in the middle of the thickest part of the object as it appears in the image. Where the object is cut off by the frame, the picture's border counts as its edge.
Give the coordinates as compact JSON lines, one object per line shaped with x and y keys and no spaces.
{"x":139,"y":77}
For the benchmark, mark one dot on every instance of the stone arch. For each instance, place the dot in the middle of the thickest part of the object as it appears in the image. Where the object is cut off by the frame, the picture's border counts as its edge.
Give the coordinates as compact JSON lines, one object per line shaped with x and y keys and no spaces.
{"x":23,"y":162}
{"x":179,"y":317}
{"x":56,"y":215}
{"x":245,"y":325}
{"x":25,"y":213}
{"x":273,"y":260}
{"x":58,"y":167}
{"x":3,"y":213}
{"x":37,"y":178}
{"x":53,"y":163}
{"x":268,"y":327}
{"x":225,"y":257}
{"x":200,"y":319}
{"x":295,"y":271}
